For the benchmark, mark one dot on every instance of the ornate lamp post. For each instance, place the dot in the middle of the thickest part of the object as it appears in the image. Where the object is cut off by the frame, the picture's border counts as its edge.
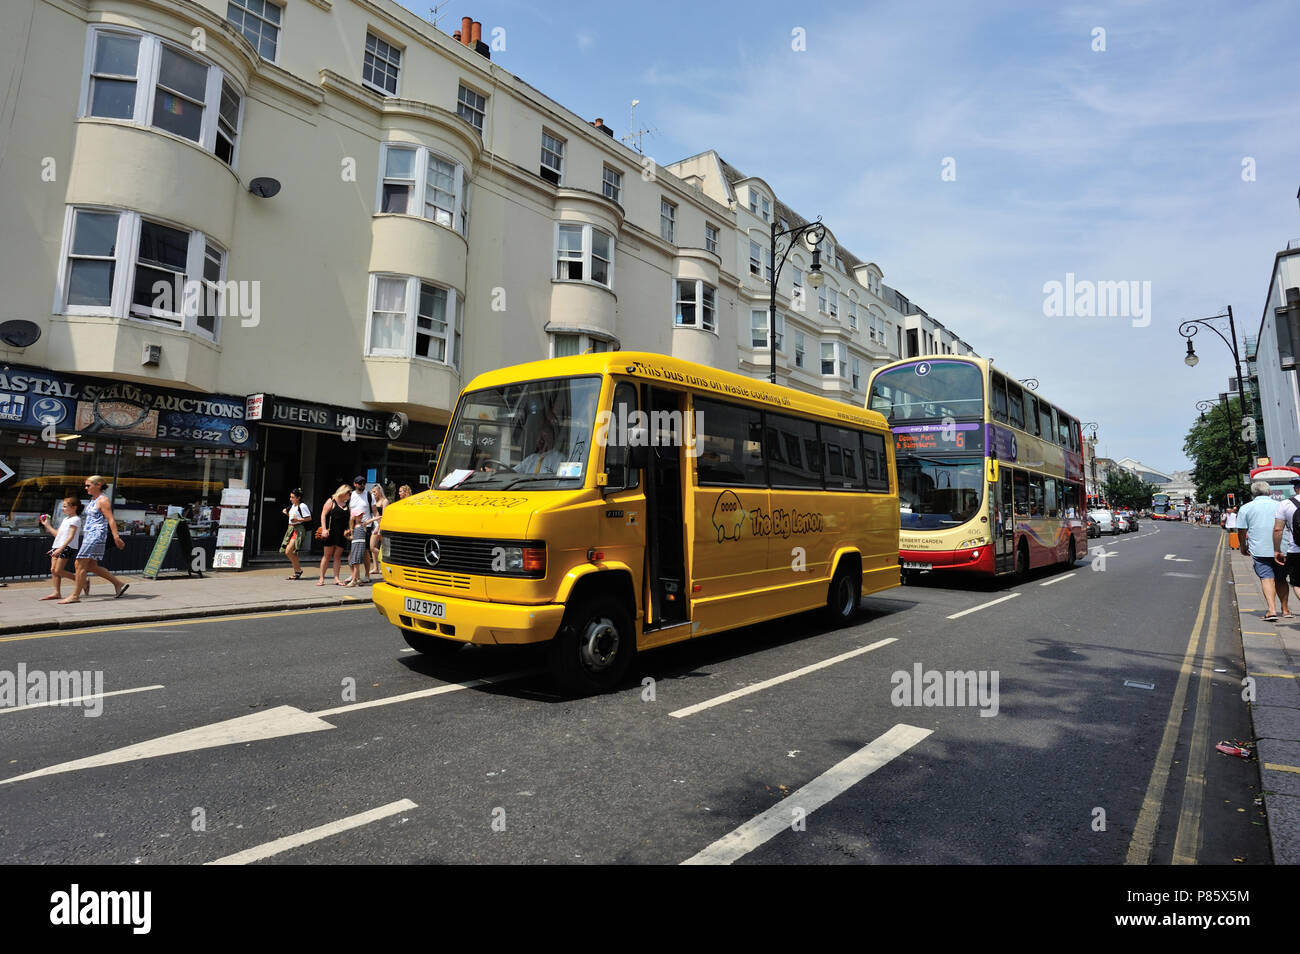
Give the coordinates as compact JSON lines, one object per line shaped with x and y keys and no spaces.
{"x":812,"y":234}
{"x":1188,"y":330}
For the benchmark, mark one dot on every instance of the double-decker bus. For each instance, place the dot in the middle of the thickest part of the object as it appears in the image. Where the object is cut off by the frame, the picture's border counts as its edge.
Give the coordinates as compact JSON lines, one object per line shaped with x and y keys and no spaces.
{"x":615,"y":502}
{"x":1161,"y":508}
{"x":990,"y":475}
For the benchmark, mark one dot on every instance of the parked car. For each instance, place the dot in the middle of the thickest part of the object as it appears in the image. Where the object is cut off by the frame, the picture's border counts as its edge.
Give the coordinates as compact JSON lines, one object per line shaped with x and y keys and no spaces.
{"x":1094,"y":528}
{"x":1105,"y":520}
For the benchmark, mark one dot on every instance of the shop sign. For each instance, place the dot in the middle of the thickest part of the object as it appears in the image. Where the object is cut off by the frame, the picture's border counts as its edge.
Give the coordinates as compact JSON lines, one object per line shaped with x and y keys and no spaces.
{"x":308,"y":415}
{"x":33,"y":399}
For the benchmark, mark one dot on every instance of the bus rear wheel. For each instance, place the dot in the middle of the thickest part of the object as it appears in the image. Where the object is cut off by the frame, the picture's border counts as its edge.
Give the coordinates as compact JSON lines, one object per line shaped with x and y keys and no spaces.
{"x":594,"y":647}
{"x":1072,"y":553}
{"x":1022,"y":562}
{"x":435,"y":647}
{"x":844,"y":594}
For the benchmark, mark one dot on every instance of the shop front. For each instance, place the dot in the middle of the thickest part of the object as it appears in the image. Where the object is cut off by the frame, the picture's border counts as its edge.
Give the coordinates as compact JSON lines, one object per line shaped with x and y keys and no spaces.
{"x":163,"y":452}
{"x":320,"y":447}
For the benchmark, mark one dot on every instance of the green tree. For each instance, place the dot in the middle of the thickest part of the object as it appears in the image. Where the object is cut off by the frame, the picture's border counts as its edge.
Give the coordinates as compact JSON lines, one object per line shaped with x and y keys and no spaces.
{"x":1216,"y":453}
{"x":1125,"y":489}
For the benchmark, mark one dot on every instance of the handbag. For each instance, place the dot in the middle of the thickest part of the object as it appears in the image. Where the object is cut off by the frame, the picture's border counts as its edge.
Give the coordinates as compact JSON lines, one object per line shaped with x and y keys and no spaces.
{"x":322,"y":533}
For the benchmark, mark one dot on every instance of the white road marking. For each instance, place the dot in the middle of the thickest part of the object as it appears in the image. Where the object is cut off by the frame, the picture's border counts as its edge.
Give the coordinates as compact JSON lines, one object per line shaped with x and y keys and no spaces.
{"x":1188,"y":576}
{"x":1057,"y":580}
{"x":1175,"y":558}
{"x":257,"y":727}
{"x":777,"y":680}
{"x":835,"y":781}
{"x":280,"y":845}
{"x":68,"y":702}
{"x":976,"y":609}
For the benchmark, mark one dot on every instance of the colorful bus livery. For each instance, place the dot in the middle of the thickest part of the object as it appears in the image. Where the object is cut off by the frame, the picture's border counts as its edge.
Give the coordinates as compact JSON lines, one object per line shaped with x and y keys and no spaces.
{"x":990,"y":475}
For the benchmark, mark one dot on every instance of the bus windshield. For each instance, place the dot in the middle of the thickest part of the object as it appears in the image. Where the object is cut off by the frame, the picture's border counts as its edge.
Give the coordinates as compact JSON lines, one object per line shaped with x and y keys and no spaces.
{"x":939,"y":493}
{"x":536,"y":433}
{"x":929,"y":390}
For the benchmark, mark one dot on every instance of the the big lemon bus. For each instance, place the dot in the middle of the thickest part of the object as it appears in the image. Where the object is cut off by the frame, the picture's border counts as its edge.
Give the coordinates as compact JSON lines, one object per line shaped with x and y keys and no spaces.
{"x":616,"y":502}
{"x":990,"y":474}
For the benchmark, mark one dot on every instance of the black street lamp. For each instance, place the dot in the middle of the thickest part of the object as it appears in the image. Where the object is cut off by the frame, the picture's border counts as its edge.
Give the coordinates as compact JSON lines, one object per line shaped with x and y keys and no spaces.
{"x":1092,"y":444}
{"x":812,"y":233}
{"x":1188,"y":330}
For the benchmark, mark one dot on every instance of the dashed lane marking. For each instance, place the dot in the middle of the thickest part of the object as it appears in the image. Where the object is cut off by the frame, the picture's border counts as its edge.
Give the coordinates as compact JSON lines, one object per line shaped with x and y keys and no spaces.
{"x":835,"y":781}
{"x":68,"y":702}
{"x":284,"y":844}
{"x":982,"y":606}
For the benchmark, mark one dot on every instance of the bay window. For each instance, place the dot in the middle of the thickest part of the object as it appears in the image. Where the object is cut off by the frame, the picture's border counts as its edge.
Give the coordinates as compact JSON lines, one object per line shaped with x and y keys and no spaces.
{"x":565,"y":344}
{"x":143,"y":80}
{"x":119,"y":264}
{"x":410,"y":318}
{"x":583,"y":253}
{"x":834,"y":362}
{"x":696,"y":305}
{"x":417,"y":181}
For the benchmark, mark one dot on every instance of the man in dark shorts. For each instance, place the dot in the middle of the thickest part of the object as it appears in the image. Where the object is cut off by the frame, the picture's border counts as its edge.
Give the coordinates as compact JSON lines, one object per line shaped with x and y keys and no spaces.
{"x":1287,"y":554}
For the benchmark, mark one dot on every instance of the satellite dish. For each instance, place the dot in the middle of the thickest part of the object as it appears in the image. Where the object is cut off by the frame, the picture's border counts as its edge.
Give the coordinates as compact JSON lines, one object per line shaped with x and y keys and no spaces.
{"x":264,"y":187}
{"x":19,"y":333}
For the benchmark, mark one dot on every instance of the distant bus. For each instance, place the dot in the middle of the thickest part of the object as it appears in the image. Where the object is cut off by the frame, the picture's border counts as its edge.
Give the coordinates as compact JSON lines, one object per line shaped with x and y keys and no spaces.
{"x":990,"y":475}
{"x":1161,"y":508}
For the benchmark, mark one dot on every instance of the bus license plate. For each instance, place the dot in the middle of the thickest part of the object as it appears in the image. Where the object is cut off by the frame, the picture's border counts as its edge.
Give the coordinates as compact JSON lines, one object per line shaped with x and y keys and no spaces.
{"x":426,"y":608}
{"x":906,"y":566}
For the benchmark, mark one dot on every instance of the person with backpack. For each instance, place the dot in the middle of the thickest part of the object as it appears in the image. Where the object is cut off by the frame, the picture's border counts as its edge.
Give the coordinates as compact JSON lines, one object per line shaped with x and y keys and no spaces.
{"x":1286,"y":530}
{"x":1255,"y":523}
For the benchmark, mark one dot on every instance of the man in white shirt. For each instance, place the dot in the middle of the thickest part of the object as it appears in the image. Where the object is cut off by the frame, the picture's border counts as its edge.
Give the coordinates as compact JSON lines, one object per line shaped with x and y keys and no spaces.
{"x":1286,"y":552}
{"x":545,"y":459}
{"x":361,"y":504}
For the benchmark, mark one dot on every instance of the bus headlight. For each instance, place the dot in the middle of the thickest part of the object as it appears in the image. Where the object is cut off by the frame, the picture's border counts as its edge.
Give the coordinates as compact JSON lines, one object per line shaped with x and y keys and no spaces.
{"x":972,"y":542}
{"x":385,"y":548}
{"x":531,"y":560}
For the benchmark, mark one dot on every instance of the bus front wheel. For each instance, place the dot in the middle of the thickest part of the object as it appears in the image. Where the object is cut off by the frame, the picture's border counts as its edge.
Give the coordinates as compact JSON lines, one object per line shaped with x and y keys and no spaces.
{"x":844,"y":595}
{"x":594,"y":647}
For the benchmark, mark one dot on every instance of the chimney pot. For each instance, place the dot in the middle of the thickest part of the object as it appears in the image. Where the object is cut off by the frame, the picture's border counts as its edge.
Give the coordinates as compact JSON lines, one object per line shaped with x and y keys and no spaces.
{"x":465,"y":23}
{"x":476,"y":33}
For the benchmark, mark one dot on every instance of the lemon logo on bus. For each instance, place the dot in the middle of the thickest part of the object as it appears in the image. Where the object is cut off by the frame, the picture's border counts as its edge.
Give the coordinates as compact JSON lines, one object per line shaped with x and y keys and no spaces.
{"x":728,"y":516}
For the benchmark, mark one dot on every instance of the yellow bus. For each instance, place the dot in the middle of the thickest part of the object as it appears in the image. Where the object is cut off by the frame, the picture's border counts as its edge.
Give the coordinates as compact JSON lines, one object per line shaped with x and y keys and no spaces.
{"x":616,"y":502}
{"x":990,"y":474}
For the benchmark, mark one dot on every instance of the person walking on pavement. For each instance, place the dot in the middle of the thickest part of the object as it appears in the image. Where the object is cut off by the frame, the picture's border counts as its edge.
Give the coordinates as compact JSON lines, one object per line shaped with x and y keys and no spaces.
{"x":1286,"y":552}
{"x":334,"y":517}
{"x":1255,"y":530}
{"x":380,"y":500}
{"x":66,"y":540}
{"x":99,"y":523}
{"x":362,"y":505}
{"x":295,"y":534}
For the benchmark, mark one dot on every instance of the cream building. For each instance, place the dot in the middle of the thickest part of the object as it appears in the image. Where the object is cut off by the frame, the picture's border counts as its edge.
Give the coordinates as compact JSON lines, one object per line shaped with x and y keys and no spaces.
{"x":353,"y":213}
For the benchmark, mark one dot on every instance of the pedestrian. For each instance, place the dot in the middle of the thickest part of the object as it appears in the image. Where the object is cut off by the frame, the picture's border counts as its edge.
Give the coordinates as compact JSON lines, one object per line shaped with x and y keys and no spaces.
{"x":1286,"y":552}
{"x":66,"y":541}
{"x":403,"y":491}
{"x":357,"y":531}
{"x":361,"y":504}
{"x":334,"y":516}
{"x":1255,"y":529}
{"x":295,"y":535}
{"x":97,"y":526}
{"x":376,"y":538}
{"x":1230,"y":520}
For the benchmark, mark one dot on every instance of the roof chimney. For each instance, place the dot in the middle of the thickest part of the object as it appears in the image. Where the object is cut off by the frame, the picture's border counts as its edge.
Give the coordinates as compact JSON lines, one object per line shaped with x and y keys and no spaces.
{"x":463,"y":35}
{"x":599,"y":123}
{"x":475,"y":32}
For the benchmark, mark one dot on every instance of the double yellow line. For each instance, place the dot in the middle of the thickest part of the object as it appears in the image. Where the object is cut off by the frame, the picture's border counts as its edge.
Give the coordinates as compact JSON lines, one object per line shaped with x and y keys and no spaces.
{"x":1187,"y":838}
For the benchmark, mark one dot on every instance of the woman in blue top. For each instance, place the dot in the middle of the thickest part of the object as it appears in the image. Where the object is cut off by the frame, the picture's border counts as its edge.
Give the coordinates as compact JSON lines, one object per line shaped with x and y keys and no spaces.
{"x":99,"y":523}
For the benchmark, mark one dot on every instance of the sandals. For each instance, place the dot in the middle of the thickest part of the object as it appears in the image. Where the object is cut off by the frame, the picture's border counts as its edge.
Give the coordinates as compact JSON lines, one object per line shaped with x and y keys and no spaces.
{"x":1270,"y":619}
{"x":296,"y":576}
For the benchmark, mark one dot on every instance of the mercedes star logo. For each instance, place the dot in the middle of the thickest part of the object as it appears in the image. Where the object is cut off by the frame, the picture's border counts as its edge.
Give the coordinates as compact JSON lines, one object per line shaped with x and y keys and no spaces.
{"x":432,"y":552}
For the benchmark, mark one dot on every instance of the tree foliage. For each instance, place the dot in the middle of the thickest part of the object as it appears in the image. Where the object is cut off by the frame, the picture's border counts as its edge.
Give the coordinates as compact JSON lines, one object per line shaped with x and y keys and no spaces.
{"x":1125,"y":489}
{"x":1216,"y":451}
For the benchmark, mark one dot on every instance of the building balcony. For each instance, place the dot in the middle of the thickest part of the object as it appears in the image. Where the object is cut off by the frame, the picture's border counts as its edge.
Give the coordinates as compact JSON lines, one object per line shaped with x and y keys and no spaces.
{"x":114,"y":348}
{"x":409,"y":245}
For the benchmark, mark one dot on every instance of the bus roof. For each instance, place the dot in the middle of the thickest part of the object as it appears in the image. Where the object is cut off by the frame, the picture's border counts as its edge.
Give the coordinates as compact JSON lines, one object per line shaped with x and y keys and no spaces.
{"x":686,"y":375}
{"x":984,"y":364}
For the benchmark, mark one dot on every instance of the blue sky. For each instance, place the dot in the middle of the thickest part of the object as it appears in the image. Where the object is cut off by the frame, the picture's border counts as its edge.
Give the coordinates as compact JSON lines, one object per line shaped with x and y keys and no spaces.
{"x":1117,"y":165}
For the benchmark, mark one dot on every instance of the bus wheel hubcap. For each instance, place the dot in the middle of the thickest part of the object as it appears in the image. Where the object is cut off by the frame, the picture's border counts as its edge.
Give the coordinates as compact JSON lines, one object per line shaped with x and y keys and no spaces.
{"x":599,"y":644}
{"x":846,"y":596}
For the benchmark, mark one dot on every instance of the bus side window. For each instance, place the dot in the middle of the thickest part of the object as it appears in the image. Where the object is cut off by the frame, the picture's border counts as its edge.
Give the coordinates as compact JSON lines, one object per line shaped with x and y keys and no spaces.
{"x":1053,"y":491}
{"x":1031,"y":414}
{"x":998,"y":392}
{"x":1015,"y":406}
{"x":1021,"y":480}
{"x":873,"y":463}
{"x":616,"y":453}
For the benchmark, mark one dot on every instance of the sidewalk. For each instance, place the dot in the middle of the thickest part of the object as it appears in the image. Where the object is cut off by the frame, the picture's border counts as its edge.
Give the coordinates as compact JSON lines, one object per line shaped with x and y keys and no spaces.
{"x":171,"y":597}
{"x":1273,"y":661}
